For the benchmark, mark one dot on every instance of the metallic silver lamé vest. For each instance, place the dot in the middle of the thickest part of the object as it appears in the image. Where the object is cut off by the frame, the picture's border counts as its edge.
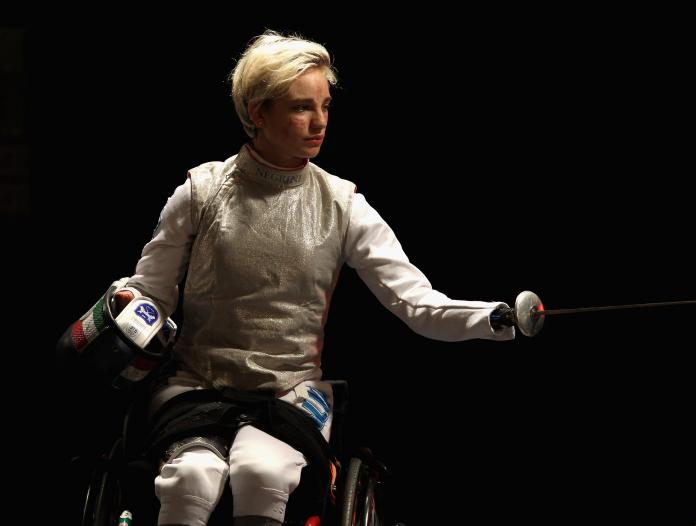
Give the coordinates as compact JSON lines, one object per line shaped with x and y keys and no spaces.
{"x":263,"y":267}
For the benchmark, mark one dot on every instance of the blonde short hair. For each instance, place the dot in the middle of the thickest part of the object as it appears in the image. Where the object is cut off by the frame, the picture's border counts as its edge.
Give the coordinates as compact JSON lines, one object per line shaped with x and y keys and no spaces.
{"x":269,"y":65}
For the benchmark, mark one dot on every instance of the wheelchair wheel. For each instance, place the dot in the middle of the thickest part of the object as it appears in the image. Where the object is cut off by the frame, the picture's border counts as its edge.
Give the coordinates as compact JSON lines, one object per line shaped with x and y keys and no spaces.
{"x":104,"y":493}
{"x":361,"y":499}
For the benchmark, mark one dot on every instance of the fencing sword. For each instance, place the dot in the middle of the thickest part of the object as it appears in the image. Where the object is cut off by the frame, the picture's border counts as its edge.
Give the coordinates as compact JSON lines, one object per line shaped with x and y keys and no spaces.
{"x":529,"y":311}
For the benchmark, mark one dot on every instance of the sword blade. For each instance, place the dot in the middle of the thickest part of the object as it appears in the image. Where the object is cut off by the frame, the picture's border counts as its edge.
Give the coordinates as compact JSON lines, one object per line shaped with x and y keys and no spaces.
{"x":553,"y":312}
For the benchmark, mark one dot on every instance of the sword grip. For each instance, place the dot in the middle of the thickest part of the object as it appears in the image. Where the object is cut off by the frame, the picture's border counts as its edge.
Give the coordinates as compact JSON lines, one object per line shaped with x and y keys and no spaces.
{"x":502,"y":317}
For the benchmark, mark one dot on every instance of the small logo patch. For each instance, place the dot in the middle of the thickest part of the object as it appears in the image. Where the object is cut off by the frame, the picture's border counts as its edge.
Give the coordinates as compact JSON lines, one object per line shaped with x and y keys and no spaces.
{"x":317,"y":407}
{"x":147,"y":313}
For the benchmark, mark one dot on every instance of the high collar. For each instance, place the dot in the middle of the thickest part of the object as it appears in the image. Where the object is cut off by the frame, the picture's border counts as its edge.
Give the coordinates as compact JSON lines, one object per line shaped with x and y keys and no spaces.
{"x":252,"y":167}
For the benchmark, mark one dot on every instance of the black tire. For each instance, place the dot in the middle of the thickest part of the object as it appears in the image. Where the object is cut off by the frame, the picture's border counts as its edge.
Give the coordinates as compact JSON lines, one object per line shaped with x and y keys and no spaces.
{"x":361,"y":503}
{"x":104,"y":494}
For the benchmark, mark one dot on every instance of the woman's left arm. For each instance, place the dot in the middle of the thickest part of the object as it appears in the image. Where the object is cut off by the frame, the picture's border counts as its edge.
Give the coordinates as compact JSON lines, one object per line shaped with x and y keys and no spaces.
{"x":375,"y":253}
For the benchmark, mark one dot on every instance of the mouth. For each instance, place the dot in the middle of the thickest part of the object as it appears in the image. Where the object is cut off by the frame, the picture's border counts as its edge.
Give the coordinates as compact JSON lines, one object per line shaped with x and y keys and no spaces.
{"x":315,"y":140}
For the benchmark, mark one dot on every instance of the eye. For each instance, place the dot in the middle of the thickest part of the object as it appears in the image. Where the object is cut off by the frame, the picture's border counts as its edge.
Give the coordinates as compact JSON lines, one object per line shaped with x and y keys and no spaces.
{"x":301,"y":108}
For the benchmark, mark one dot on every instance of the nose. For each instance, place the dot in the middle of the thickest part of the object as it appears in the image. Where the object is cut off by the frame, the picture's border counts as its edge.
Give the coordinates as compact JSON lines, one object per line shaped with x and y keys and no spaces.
{"x":319,"y":120}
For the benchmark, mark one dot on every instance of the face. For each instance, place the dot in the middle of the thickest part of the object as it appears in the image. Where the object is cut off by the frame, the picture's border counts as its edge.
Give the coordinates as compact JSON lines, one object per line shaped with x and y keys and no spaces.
{"x":291,"y":128}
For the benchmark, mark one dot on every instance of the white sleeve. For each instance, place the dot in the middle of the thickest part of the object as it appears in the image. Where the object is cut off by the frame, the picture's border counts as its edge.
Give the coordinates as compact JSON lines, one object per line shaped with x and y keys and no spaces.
{"x":374,"y":252}
{"x":165,"y":257}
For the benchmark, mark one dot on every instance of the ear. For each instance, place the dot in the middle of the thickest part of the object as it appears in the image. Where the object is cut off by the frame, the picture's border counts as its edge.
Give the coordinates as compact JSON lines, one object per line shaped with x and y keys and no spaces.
{"x":254,"y":110}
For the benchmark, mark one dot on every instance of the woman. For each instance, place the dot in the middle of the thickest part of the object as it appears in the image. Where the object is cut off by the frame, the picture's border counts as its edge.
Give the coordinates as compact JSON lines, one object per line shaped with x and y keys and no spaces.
{"x":264,"y":235}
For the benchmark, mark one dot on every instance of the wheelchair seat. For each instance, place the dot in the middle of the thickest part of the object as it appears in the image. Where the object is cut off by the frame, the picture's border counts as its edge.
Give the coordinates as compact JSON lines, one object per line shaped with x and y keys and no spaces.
{"x":123,"y":480}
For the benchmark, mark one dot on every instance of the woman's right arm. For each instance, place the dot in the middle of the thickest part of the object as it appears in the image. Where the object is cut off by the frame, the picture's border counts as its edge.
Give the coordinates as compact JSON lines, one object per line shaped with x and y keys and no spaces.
{"x":165,"y":257}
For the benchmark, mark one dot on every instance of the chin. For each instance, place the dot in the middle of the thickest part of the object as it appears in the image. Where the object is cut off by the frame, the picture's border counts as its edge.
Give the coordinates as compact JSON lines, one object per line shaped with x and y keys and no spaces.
{"x":312,"y":152}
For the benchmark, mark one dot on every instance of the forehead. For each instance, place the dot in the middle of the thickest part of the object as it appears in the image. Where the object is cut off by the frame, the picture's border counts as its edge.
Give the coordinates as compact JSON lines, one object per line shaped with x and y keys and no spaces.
{"x":309,"y":85}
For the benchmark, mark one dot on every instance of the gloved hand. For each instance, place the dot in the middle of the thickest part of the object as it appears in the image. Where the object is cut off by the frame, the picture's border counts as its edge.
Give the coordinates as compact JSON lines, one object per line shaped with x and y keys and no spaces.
{"x":502,"y":317}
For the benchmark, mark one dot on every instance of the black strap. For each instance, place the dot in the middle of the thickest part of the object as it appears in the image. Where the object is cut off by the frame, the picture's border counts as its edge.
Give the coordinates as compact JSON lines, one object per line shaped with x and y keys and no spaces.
{"x":221,"y":412}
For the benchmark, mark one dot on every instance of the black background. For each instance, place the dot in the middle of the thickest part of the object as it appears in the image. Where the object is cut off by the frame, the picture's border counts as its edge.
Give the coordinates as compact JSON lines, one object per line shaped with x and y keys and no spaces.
{"x":553,"y":157}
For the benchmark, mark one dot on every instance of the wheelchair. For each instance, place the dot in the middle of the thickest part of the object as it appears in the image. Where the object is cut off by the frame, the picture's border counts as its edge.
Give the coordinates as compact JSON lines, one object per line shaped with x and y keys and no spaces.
{"x":119,"y":483}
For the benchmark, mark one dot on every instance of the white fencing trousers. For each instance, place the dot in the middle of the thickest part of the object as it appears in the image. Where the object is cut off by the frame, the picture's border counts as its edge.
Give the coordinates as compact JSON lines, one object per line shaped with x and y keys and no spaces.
{"x":261,"y":469}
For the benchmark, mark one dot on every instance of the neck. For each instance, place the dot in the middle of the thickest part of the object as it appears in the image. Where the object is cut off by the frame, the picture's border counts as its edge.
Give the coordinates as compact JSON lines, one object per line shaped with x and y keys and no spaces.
{"x":267,"y":155}
{"x":252,"y":167}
